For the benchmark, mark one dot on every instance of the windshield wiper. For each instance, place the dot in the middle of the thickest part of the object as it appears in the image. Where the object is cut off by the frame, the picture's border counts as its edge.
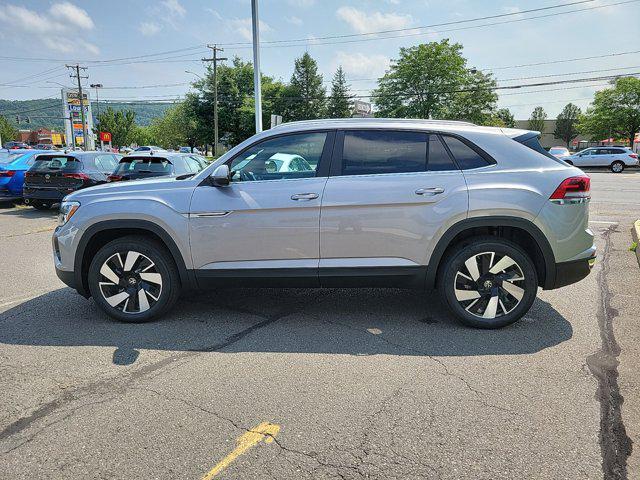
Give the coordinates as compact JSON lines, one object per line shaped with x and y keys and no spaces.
{"x":184,"y":176}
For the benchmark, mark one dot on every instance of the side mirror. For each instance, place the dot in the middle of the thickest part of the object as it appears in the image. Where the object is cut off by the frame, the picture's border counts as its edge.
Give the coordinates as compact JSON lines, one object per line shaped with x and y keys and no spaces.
{"x":220,"y":176}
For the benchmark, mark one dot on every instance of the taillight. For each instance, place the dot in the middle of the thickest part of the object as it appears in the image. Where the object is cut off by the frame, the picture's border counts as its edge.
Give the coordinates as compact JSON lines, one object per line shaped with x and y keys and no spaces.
{"x":633,"y":155}
{"x":28,"y":174}
{"x":76,"y":176}
{"x":574,"y":188}
{"x":7,"y":173}
{"x":114,"y":178}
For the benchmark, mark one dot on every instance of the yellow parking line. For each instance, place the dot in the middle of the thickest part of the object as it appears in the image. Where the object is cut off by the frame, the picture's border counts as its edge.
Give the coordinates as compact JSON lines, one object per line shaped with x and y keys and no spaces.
{"x":265,"y":431}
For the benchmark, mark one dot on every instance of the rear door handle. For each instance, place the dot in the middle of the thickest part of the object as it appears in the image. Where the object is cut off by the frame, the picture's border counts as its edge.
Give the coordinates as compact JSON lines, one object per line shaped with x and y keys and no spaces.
{"x":304,"y":196}
{"x":430,"y":191}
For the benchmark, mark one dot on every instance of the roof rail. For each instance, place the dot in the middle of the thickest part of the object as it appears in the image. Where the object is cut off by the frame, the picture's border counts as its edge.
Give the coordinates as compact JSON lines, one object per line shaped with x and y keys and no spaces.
{"x":338,"y":121}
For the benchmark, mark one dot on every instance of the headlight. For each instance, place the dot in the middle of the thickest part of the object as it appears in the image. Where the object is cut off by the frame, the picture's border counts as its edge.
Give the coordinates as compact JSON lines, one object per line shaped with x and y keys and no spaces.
{"x":67,"y":209}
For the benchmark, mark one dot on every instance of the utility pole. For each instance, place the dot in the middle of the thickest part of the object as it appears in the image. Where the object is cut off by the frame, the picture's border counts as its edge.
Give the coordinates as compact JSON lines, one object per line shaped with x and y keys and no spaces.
{"x":215,"y":59}
{"x":257,"y":86}
{"x":78,"y":77}
{"x":97,"y":86}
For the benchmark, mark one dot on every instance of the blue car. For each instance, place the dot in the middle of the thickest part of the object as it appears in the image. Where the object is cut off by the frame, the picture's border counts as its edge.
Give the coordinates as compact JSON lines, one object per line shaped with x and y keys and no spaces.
{"x":12,"y":170}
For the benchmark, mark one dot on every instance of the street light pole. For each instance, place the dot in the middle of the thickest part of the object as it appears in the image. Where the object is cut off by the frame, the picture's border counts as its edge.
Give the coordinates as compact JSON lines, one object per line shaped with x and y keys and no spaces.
{"x":257,"y":87}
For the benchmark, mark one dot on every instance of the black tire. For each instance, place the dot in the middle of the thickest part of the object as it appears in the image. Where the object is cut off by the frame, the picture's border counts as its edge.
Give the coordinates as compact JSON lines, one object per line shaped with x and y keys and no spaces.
{"x":617,"y":167}
{"x":456,"y":282}
{"x":152,"y":259}
{"x":38,"y":205}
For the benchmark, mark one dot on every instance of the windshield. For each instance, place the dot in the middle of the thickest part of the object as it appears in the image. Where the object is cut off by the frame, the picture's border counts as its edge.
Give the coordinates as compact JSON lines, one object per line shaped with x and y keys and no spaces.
{"x":143,"y":165}
{"x":56,"y":163}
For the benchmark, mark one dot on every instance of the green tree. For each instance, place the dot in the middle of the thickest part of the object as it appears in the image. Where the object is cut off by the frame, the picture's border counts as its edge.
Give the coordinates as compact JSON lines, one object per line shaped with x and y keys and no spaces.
{"x":7,"y":131}
{"x":432,"y":80}
{"x":536,"y":120}
{"x":615,"y":112}
{"x":305,"y":94}
{"x":506,"y":117}
{"x":177,"y":127}
{"x":120,"y":123}
{"x":339,"y":102}
{"x":567,"y":124}
{"x":141,"y":135}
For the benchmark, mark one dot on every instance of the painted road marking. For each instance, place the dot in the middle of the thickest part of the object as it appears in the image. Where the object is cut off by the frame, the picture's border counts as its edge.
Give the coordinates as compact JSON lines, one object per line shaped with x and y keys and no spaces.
{"x":265,"y":431}
{"x":604,"y":222}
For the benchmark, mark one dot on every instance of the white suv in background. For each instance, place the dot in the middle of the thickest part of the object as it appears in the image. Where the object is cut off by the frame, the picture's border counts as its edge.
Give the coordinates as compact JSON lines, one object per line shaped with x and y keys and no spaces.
{"x":615,"y":158}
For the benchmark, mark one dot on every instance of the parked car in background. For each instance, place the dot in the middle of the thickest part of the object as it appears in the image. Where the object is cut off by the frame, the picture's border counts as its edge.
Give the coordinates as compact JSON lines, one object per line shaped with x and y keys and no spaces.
{"x":12,"y":173}
{"x":54,"y":175}
{"x":188,"y":150}
{"x":615,"y":158}
{"x":125,"y":150}
{"x":559,"y":152}
{"x":149,"y":148}
{"x":483,"y":214}
{"x":137,"y":166}
{"x":44,"y":146}
{"x":16,"y":145}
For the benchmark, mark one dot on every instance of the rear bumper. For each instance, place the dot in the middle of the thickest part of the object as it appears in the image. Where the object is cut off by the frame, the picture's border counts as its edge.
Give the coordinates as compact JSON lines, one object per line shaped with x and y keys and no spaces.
{"x":44,"y":194}
{"x":568,"y":273}
{"x":7,"y":195}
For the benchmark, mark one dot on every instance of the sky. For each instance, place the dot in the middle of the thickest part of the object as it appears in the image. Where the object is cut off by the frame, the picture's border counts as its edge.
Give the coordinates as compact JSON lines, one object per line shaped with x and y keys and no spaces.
{"x":169,"y":38}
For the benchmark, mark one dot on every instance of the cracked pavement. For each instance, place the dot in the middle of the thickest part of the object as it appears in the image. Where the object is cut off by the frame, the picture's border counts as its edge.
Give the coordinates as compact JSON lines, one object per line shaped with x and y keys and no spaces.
{"x":372,"y":383}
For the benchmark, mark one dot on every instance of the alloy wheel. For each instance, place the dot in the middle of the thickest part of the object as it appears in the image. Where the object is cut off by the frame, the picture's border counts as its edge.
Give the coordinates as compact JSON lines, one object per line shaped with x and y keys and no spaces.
{"x":132,"y":285}
{"x":489,"y":285}
{"x":617,"y":167}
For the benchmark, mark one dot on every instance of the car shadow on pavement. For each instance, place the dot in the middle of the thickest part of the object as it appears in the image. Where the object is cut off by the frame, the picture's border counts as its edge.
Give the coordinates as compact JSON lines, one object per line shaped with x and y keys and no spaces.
{"x":331,"y":321}
{"x":28,"y":212}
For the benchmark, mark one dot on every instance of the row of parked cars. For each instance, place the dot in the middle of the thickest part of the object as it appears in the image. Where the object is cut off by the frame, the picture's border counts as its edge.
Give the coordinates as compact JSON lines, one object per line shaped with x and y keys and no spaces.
{"x":43,"y":178}
{"x":614,"y":158}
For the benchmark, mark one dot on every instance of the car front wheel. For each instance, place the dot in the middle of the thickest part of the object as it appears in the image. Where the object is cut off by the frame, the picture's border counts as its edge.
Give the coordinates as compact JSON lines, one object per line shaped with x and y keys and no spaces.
{"x":134,"y":279}
{"x":488,"y":283}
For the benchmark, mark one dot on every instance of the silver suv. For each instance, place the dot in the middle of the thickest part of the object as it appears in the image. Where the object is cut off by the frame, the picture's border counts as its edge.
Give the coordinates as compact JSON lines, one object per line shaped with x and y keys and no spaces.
{"x":483,"y":214}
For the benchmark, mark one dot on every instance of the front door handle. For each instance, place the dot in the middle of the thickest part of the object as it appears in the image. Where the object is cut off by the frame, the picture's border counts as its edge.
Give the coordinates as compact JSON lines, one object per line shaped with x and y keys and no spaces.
{"x":430,"y":191}
{"x":304,"y":196}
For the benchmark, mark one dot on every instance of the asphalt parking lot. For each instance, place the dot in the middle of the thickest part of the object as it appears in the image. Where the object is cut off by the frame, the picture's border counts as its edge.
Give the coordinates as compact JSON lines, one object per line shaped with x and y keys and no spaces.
{"x":321,"y":384}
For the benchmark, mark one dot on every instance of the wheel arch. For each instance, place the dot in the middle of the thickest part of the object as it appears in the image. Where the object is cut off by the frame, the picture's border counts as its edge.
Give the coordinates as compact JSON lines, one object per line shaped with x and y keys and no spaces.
{"x":522,"y":232}
{"x":101,"y":233}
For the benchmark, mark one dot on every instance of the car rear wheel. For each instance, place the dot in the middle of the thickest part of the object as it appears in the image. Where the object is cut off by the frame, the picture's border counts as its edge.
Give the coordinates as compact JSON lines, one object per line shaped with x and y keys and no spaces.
{"x":134,"y":279}
{"x":617,"y":167}
{"x":488,"y":283}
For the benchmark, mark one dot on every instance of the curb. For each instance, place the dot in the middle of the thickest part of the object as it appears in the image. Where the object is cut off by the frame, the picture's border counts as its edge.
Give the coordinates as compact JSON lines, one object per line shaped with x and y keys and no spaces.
{"x":635,"y":234}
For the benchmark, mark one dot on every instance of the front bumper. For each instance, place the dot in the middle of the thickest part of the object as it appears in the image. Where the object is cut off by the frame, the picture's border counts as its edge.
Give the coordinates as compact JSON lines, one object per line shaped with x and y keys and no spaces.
{"x":568,"y":273}
{"x":68,"y":278}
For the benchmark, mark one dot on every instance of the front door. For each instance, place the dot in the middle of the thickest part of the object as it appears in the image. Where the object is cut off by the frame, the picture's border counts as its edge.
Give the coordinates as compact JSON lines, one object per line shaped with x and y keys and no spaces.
{"x":383,"y":205}
{"x":267,"y":220}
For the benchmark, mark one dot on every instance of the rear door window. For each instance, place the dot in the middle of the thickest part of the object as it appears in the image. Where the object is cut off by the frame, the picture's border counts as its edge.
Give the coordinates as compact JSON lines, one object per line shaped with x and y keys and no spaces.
{"x":466,"y":157}
{"x":106,"y":163}
{"x":144,"y":165}
{"x":370,"y":152}
{"x":439,"y":159}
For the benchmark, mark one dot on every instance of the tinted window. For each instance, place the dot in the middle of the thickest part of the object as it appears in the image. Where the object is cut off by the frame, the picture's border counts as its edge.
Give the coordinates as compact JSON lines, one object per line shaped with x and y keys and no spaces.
{"x":465,"y":156}
{"x":106,"y":163}
{"x":66,"y":164}
{"x":272,"y":159}
{"x":144,"y":165}
{"x":193,"y":165}
{"x":439,"y":159}
{"x":616,"y":151}
{"x":368,"y":152}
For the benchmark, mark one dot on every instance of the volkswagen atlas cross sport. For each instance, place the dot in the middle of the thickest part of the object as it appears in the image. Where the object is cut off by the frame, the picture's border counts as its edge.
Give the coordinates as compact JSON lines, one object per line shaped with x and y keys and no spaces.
{"x":483,"y":214}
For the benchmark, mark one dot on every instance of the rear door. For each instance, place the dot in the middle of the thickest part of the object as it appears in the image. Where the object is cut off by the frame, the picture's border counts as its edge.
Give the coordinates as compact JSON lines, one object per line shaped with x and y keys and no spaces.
{"x":388,"y":195}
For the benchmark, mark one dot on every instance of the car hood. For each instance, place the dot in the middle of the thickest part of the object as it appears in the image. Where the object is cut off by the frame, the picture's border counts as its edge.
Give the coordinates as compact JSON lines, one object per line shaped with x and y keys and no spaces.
{"x":131,"y":189}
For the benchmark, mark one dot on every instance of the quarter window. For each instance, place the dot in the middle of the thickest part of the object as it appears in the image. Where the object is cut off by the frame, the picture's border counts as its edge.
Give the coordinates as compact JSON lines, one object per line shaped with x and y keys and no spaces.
{"x":465,"y":156}
{"x":286,"y":157}
{"x":368,"y":152}
{"x":439,"y":159}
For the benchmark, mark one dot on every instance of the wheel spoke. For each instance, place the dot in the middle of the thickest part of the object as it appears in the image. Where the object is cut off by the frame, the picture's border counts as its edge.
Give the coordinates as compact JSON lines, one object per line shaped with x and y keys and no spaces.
{"x":513,"y":290}
{"x":472,"y":266}
{"x":492,"y":307}
{"x":152,"y":277}
{"x":504,"y":263}
{"x":463,"y":295}
{"x":107,"y":272}
{"x":130,"y":260}
{"x":117,"y":299}
{"x":143,"y":301}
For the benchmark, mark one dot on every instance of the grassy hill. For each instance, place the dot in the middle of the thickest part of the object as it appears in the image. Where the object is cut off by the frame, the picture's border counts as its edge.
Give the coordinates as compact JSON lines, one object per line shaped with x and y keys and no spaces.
{"x":39,"y":110}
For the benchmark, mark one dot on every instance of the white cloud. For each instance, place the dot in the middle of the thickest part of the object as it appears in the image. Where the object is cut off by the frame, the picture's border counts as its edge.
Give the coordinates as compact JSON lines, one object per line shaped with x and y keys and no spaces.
{"x":68,"y":13}
{"x":215,"y":13}
{"x":174,"y":7}
{"x":364,"y":22}
{"x":54,"y":28}
{"x":362,"y":65}
{"x":244,"y":28}
{"x":149,"y":29}
{"x":293,"y":20}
